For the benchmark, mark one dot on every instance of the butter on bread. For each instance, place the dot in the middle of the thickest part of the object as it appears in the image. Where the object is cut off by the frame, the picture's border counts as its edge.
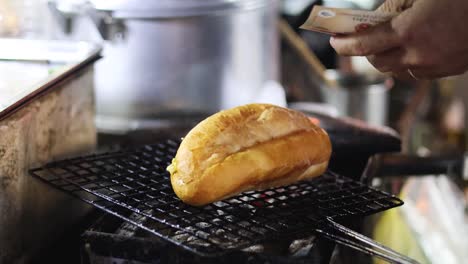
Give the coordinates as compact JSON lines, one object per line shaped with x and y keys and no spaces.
{"x":250,"y":147}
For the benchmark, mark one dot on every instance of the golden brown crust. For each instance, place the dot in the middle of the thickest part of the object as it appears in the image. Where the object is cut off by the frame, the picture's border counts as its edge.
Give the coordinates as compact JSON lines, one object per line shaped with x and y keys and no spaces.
{"x":248,"y":147}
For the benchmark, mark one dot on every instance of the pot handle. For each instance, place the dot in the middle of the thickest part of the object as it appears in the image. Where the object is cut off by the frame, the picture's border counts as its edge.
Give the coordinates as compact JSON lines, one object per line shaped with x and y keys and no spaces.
{"x":63,"y":15}
{"x":396,"y":164}
{"x":107,"y":26}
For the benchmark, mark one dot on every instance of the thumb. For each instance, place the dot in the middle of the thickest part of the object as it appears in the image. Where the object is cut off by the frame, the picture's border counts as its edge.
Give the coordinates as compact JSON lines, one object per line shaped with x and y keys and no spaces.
{"x":398,"y":6}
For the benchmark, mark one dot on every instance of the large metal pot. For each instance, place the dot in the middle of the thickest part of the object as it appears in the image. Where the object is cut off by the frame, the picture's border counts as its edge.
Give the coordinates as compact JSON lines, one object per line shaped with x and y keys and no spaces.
{"x":168,"y":56}
{"x":359,"y":96}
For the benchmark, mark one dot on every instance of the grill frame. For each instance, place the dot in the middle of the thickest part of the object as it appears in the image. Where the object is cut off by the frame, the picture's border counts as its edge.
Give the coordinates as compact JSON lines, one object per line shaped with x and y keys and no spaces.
{"x":78,"y":178}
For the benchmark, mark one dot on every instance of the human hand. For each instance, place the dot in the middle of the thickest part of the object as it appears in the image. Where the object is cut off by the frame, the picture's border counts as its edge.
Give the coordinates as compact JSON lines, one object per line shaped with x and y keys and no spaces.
{"x":428,"y":37}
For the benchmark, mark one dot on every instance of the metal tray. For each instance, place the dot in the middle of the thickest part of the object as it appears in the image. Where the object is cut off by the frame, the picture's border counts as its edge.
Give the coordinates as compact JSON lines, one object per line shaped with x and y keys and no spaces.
{"x":29,"y":68}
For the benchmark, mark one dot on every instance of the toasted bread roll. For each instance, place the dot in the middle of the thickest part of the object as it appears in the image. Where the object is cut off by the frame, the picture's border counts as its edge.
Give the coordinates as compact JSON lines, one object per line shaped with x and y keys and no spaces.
{"x":249,"y":147}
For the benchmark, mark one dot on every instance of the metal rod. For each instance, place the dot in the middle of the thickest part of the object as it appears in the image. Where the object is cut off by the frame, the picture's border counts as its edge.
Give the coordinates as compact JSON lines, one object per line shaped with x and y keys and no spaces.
{"x":382,"y":251}
{"x":356,"y":246}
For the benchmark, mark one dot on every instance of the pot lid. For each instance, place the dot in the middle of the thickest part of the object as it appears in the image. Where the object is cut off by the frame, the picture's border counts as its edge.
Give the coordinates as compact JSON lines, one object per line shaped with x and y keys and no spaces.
{"x":173,"y":8}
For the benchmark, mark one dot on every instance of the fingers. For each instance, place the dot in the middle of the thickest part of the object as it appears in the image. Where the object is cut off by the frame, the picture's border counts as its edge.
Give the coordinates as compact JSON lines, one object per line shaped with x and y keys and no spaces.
{"x":403,"y":75}
{"x":390,"y":6}
{"x":430,"y":73}
{"x":426,"y":73}
{"x":377,"y":39}
{"x":401,"y":59}
{"x":374,"y":40}
{"x":389,"y":61}
{"x":414,"y":75}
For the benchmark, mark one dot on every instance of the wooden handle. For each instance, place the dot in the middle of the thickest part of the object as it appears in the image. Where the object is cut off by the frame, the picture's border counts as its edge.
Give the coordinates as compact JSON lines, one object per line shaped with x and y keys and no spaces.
{"x":301,"y":47}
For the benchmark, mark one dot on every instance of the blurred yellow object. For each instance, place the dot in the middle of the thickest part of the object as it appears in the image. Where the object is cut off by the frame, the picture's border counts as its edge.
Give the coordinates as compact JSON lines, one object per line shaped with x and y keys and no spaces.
{"x":8,"y":19}
{"x":392,"y":230}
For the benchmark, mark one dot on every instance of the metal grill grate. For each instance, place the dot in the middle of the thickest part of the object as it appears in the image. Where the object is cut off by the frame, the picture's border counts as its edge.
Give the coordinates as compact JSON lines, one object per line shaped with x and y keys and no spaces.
{"x":136,"y":181}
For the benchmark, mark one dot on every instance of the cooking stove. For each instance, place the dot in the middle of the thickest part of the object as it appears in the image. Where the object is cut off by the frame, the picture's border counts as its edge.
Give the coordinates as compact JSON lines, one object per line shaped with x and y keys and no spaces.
{"x":109,"y":239}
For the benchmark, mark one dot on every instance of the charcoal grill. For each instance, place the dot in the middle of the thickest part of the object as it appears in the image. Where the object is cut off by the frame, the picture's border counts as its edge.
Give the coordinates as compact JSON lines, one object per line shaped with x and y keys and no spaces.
{"x":136,"y":181}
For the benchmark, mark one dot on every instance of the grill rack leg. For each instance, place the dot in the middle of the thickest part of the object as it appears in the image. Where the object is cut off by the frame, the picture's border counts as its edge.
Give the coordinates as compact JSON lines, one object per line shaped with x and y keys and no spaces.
{"x":349,"y":238}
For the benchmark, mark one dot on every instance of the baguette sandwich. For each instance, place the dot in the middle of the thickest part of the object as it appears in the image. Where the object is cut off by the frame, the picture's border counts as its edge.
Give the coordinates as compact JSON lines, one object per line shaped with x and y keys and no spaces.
{"x":250,"y":147}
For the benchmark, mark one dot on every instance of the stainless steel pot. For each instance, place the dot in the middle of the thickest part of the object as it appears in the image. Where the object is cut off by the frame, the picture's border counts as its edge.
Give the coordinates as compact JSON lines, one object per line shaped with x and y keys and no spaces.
{"x":359,"y":96}
{"x":187,"y":56}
